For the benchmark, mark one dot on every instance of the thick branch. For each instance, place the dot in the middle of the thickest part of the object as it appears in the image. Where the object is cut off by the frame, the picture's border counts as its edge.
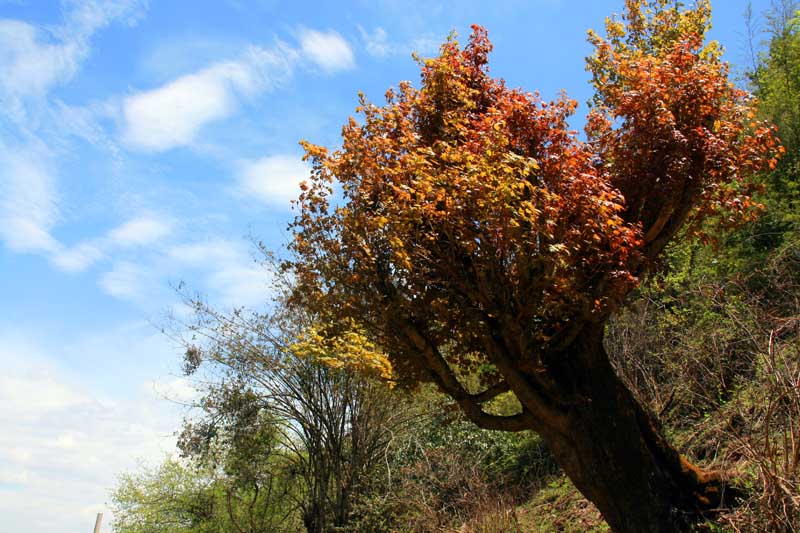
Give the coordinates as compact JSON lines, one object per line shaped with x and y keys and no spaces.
{"x":505,"y":349}
{"x":520,"y":422}
{"x":491,"y":393}
{"x":446,"y":379}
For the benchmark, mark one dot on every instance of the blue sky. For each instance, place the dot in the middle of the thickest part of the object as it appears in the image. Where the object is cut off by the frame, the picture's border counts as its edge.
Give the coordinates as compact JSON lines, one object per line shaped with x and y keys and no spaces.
{"x":141,"y":144}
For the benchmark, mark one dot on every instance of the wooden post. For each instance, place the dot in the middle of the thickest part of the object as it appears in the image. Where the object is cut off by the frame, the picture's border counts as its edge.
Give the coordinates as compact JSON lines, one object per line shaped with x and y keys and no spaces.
{"x":98,"y":522}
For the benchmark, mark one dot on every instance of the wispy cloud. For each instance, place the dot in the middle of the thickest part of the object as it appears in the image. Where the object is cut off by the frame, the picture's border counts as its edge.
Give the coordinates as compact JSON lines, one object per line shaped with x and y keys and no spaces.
{"x":227,"y":270}
{"x":205,"y":252}
{"x":63,"y":443}
{"x":28,"y":200}
{"x":78,"y":258}
{"x":237,"y":285}
{"x":141,"y":231}
{"x":31,"y":67}
{"x":29,"y":211}
{"x":224,"y":270}
{"x":378,"y":44}
{"x":328,"y":50}
{"x":84,"y":17}
{"x":34,"y":60}
{"x":84,"y":122}
{"x":128,"y":281}
{"x":171,"y":115}
{"x":41,"y":129}
{"x":274,"y":180}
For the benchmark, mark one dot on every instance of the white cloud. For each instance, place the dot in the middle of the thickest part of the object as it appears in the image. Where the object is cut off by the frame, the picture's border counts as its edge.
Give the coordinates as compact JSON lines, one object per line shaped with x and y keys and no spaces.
{"x":84,"y":122}
{"x":378,"y":44}
{"x":328,"y":50}
{"x":172,"y":115}
{"x":28,"y":201}
{"x":33,"y":390}
{"x":241,"y":285}
{"x":206,"y":252}
{"x":30,"y":66}
{"x":84,"y":17}
{"x":228,"y":271}
{"x":224,"y":270}
{"x":140,"y":231}
{"x":127,"y":281}
{"x":34,"y":60}
{"x":63,"y":443}
{"x":29,"y":210}
{"x":274,"y":180}
{"x":77,"y":258}
{"x":25,"y":235}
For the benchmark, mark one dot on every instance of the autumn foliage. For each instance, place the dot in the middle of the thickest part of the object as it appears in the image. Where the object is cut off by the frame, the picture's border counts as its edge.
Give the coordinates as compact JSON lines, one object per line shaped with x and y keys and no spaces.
{"x":687,"y":142}
{"x":465,"y":201}
{"x":467,"y":230}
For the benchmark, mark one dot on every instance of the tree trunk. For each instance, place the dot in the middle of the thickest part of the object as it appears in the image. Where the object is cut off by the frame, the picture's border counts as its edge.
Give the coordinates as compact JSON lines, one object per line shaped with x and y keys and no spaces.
{"x":614,"y":451}
{"x":314,"y":519}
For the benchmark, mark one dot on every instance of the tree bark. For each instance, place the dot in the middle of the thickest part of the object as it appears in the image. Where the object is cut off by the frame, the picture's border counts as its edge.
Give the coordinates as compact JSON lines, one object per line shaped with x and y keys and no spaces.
{"x":614,"y":452}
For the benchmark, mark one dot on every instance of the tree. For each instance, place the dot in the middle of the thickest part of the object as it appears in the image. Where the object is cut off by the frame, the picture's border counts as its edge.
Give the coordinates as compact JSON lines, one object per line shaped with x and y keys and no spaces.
{"x":776,"y":83}
{"x":184,"y":498}
{"x":238,"y":483}
{"x":241,"y":450}
{"x":330,"y":424}
{"x":171,"y":498}
{"x":477,"y":235}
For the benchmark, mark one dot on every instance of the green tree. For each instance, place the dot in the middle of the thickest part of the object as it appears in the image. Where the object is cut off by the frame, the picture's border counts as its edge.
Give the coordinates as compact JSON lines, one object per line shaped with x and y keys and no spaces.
{"x":241,"y":485}
{"x":776,"y":83}
{"x":170,"y":498}
{"x":244,"y":451}
{"x":177,"y":498}
{"x":332,"y":424}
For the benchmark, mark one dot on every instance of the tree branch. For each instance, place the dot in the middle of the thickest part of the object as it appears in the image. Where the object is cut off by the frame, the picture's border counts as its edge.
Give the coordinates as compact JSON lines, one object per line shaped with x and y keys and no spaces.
{"x":448,"y":382}
{"x":492,"y":392}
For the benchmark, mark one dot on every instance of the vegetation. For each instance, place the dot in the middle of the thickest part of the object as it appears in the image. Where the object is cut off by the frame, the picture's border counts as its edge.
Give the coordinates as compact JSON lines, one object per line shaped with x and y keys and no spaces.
{"x":330,"y":426}
{"x":478,"y":235}
{"x":175,"y":498}
{"x":614,"y":304}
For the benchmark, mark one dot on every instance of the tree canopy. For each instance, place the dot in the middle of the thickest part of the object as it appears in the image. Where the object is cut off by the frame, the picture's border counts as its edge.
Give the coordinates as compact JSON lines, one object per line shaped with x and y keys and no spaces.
{"x":477,"y":234}
{"x":469,"y":207}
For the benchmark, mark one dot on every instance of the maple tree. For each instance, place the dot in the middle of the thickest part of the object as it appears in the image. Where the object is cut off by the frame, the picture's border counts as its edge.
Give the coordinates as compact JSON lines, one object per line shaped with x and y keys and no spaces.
{"x":477,"y":235}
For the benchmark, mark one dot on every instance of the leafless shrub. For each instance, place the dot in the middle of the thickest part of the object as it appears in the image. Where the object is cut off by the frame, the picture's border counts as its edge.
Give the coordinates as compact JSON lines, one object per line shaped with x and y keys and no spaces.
{"x":770,"y":444}
{"x":720,"y":360}
{"x":445,"y":494}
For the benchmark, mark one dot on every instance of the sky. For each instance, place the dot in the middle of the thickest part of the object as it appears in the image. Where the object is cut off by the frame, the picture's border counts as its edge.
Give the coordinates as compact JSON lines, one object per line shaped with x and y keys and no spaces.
{"x":144,"y":144}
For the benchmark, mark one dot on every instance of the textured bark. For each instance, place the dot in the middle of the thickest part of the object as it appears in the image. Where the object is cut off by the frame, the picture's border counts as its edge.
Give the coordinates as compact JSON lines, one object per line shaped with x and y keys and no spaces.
{"x":608,"y":444}
{"x":615,"y":454}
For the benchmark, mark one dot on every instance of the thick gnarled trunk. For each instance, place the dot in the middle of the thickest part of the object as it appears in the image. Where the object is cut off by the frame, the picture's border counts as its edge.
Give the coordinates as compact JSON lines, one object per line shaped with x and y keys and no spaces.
{"x":608,"y":444}
{"x":614,"y":452}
